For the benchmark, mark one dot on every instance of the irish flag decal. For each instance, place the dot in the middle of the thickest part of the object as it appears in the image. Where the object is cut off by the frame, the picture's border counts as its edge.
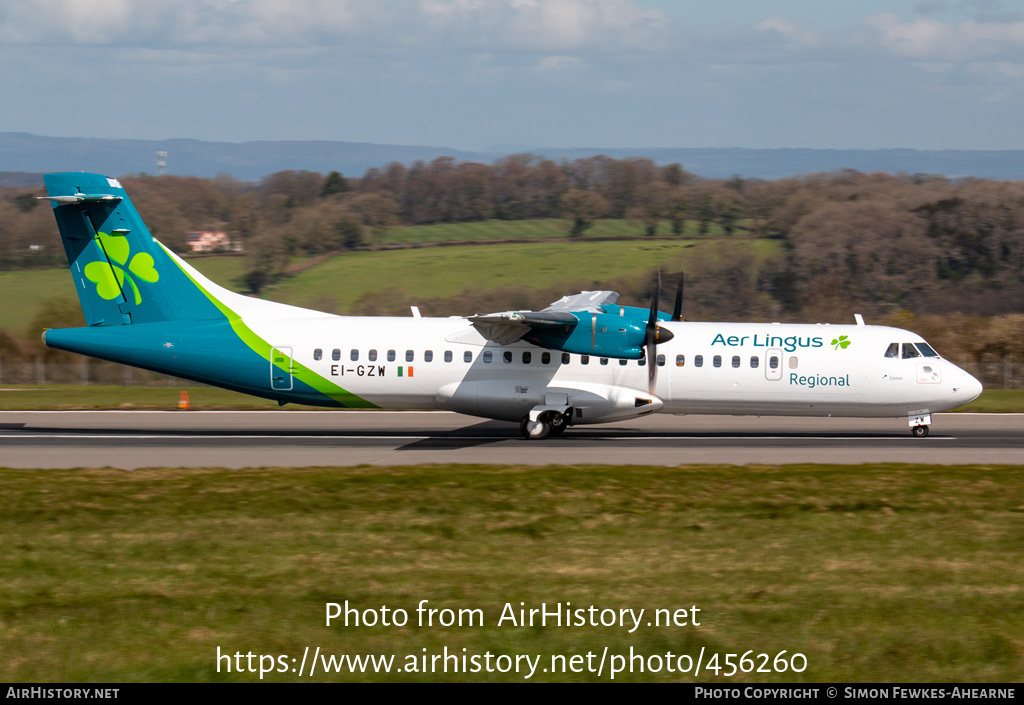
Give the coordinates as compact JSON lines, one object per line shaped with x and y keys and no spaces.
{"x":407,"y":371}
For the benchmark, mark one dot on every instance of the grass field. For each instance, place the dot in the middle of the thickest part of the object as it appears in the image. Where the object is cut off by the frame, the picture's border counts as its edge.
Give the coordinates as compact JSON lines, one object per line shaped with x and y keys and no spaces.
{"x":542,"y":228}
{"x":73,"y":396}
{"x":22,"y":292}
{"x":226,"y":271}
{"x":997,"y":401}
{"x":426,"y":273}
{"x":448,"y":271}
{"x":875,"y":573}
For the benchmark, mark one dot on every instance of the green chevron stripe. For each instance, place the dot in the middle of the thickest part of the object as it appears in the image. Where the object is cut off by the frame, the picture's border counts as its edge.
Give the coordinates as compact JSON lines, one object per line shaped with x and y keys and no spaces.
{"x":262,"y":348}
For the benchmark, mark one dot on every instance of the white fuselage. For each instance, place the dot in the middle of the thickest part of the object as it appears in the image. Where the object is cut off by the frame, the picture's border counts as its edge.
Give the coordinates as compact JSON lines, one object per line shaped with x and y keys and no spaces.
{"x":707,"y":368}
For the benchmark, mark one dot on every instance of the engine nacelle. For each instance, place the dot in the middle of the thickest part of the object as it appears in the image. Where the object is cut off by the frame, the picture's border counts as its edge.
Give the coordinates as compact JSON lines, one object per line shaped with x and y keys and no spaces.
{"x":509,"y":401}
{"x":598,"y":334}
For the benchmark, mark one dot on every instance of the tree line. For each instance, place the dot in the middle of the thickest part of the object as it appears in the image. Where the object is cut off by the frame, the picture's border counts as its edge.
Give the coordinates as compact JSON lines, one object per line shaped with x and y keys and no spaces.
{"x":877,"y":243}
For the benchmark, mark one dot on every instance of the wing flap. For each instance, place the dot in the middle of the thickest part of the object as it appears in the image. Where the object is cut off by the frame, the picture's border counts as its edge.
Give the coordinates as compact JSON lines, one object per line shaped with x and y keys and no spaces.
{"x":509,"y":327}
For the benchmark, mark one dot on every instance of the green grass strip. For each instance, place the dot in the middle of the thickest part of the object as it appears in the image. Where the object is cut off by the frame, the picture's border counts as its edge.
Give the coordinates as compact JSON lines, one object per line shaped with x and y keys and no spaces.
{"x":875,"y":573}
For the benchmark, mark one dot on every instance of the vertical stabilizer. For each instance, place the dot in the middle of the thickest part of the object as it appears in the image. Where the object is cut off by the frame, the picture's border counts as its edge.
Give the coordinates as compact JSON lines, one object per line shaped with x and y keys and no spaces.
{"x":121,"y":273}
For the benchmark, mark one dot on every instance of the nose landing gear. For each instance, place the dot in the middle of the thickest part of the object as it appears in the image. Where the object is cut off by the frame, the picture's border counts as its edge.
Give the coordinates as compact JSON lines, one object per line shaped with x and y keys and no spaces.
{"x":919,"y":424}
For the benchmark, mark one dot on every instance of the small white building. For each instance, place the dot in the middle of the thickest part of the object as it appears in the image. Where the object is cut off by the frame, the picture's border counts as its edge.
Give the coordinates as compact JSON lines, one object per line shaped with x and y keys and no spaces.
{"x":211,"y":241}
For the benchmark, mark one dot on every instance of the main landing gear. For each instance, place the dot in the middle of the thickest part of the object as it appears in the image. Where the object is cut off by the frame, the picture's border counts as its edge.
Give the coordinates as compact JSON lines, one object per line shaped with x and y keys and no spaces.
{"x":920,"y":431}
{"x":550,"y":423}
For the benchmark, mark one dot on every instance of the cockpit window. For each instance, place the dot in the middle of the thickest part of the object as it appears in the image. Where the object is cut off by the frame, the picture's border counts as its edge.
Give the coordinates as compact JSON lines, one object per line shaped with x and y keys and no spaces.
{"x":893,"y":350}
{"x":927,"y":350}
{"x":910,"y":351}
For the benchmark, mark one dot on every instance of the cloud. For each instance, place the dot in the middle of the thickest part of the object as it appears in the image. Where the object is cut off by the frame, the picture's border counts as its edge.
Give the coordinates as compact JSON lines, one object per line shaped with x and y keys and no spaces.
{"x":558,"y":63}
{"x":159,"y":23}
{"x":548,"y":25}
{"x":793,"y":33}
{"x":929,"y":39}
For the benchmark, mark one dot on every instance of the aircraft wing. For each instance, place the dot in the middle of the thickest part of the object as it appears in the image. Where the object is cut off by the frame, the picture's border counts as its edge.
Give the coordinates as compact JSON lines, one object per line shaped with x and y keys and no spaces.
{"x":510,"y":326}
{"x":590,"y":301}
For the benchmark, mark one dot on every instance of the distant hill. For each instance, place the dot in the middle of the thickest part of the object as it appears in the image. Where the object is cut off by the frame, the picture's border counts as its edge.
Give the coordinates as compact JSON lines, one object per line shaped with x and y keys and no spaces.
{"x":19,"y":179}
{"x":722,"y":163}
{"x":250,"y":161}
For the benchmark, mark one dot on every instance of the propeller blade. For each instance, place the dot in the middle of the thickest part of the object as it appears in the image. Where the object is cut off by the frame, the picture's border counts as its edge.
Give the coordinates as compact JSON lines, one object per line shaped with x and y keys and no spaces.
{"x":655,"y":296}
{"x":652,"y":368}
{"x":677,"y":312}
{"x":651,"y":336}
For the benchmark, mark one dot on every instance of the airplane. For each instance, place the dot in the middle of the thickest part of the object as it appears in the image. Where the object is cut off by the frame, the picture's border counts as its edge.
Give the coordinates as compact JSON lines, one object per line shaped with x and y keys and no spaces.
{"x":583,"y":360}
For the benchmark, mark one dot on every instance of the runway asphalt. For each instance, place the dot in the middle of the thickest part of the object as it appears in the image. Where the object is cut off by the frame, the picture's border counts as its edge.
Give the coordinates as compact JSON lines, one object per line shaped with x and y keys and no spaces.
{"x":237,"y":439}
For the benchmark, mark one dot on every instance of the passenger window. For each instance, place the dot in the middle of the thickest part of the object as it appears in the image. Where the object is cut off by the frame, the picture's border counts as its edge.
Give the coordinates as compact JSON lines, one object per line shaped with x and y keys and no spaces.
{"x":545,"y":358}
{"x":717,"y":361}
{"x":372,"y":356}
{"x":391,"y":355}
{"x":698,"y":361}
{"x":755,"y":361}
{"x":565,"y":358}
{"x":584,"y":359}
{"x":410,"y":356}
{"x":680,"y":360}
{"x":318,"y":353}
{"x":910,"y":351}
{"x":447,"y":355}
{"x":661,"y":360}
{"x":467,"y":356}
{"x":354,"y":355}
{"x":604,"y":360}
{"x":622,"y":363}
{"x":507,"y":356}
{"x":735,"y":360}
{"x":893,"y":350}
{"x":773,"y":362}
{"x":428,"y":356}
{"x":642,"y":362}
{"x":488,"y":356}
{"x":527,"y":357}
{"x":793,"y":363}
{"x":336,"y":354}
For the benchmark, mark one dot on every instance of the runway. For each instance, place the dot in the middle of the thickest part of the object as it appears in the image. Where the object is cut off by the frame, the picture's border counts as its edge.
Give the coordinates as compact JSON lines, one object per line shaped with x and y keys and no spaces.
{"x":237,"y":439}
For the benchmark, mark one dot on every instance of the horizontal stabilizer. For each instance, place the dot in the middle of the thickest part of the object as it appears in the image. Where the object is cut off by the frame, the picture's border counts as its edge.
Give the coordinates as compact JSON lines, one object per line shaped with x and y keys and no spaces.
{"x":81,"y":198}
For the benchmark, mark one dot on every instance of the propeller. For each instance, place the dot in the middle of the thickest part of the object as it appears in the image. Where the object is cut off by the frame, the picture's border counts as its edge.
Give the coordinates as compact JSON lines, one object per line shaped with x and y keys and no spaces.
{"x":654,"y":335}
{"x":677,"y":312}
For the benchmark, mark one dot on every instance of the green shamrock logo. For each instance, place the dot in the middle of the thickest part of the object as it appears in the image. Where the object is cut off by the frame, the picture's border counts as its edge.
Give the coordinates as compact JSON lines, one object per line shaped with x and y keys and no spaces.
{"x":841,"y":342}
{"x":109,"y":279}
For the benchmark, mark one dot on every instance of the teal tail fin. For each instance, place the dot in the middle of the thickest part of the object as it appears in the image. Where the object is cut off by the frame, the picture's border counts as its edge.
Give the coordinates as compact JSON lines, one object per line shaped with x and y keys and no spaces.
{"x":122,"y":274}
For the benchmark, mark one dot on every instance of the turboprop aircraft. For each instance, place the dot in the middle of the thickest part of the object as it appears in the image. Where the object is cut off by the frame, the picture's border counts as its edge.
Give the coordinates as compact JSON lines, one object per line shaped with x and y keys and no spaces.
{"x":582,"y":360}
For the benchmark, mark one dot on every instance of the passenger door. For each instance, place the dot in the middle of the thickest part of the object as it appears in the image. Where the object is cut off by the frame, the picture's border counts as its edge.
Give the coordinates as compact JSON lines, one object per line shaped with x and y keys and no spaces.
{"x":281,"y":369}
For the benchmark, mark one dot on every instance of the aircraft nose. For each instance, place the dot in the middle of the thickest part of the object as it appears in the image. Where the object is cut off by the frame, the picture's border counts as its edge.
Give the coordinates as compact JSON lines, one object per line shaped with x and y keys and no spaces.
{"x":969,"y":389}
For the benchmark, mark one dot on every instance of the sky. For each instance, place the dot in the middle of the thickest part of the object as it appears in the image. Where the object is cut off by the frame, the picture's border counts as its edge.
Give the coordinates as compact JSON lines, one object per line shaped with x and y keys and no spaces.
{"x":479,"y":74}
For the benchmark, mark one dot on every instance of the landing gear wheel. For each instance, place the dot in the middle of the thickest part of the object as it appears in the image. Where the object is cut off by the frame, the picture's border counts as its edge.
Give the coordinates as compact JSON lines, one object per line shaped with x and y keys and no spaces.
{"x":920,"y":431}
{"x":534,"y":430}
{"x":558,"y":424}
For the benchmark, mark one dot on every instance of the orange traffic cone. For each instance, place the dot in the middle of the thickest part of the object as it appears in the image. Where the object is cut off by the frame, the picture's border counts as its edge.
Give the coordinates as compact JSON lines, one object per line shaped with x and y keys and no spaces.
{"x":183,"y":402}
